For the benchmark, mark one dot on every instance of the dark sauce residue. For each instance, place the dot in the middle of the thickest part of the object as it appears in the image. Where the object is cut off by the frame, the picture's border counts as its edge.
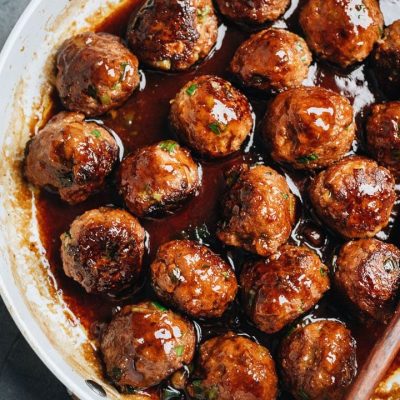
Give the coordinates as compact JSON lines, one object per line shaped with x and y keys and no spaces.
{"x":142,"y":121}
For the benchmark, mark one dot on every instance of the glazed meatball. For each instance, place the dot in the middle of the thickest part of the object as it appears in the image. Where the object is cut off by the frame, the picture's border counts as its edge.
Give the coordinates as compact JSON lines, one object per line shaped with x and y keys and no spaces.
{"x":158,"y":178}
{"x":191,"y":277}
{"x":309,"y":128}
{"x":318,"y":361}
{"x":342,"y":31}
{"x":383,"y":135}
{"x":258,"y":211}
{"x":252,"y":11}
{"x":368,"y":274}
{"x":233,"y":367}
{"x":173,"y":35}
{"x":272,"y":60}
{"x":103,"y":250}
{"x":386,"y":61}
{"x":144,"y":344}
{"x":71,"y":157}
{"x":354,"y":197}
{"x":95,"y":73}
{"x":211,"y":116}
{"x":278,"y":290}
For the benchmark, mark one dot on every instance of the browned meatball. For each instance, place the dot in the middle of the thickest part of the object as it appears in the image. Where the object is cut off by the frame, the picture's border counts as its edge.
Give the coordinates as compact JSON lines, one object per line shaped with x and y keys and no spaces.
{"x":95,"y":73}
{"x":144,"y":344}
{"x":233,"y":367}
{"x":103,"y":250}
{"x":368,"y":274}
{"x":318,"y":361}
{"x":71,"y":157}
{"x":273,"y":60}
{"x":173,"y":34}
{"x":193,"y":278}
{"x":211,"y":116}
{"x":386,"y":60}
{"x":258,"y":211}
{"x":158,"y":178}
{"x":252,"y":11}
{"x":309,"y":128}
{"x":342,"y":31}
{"x":383,"y":135}
{"x":354,"y":197}
{"x":283,"y":287}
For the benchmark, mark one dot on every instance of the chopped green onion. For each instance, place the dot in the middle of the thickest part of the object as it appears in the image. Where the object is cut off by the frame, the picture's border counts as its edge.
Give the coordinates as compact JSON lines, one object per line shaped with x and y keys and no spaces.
{"x":158,"y":306}
{"x":191,"y":90}
{"x":168,"y":145}
{"x":226,"y":275}
{"x":96,"y":133}
{"x":285,"y":196}
{"x":322,"y":271}
{"x":105,"y":99}
{"x":307,"y":159}
{"x":203,"y":12}
{"x":179,"y":350}
{"x":216,"y":128}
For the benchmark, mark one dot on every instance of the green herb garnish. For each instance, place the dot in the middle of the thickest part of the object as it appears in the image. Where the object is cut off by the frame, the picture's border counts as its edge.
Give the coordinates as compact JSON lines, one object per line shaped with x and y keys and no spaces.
{"x":191,"y":90}
{"x":203,"y":12}
{"x":158,"y":306}
{"x":179,"y":350}
{"x":105,"y":99}
{"x":168,"y":145}
{"x":96,"y":133}
{"x":307,"y":159}
{"x":323,"y":271}
{"x":226,"y":275}
{"x":217,"y":128}
{"x":285,"y":196}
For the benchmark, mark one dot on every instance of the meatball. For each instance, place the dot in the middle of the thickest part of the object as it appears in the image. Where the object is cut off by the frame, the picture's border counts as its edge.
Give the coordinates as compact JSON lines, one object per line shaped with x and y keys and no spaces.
{"x":103,"y":250}
{"x":272,"y":60}
{"x":342,"y":31}
{"x":158,"y":178}
{"x":173,"y":35}
{"x":368,"y":274}
{"x":95,"y":73}
{"x":233,"y":367}
{"x":383,"y":135}
{"x":71,"y":157}
{"x":211,"y":116}
{"x":144,"y":344}
{"x":386,"y":61}
{"x":318,"y":361}
{"x":258,"y":211}
{"x":354,"y":197}
{"x":191,"y":277}
{"x":309,"y":128}
{"x":252,"y":11}
{"x":283,"y":287}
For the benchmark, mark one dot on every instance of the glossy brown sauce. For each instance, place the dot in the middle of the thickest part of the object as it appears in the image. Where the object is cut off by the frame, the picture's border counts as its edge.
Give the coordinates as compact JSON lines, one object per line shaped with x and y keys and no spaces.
{"x":142,"y":121}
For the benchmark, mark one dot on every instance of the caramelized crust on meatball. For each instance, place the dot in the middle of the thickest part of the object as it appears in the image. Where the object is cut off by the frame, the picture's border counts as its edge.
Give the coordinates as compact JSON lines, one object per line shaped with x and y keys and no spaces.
{"x":173,"y":34}
{"x":211,"y":116}
{"x":354,"y":197}
{"x":273,"y":60}
{"x":258,"y":211}
{"x":309,"y":128}
{"x":318,"y":361}
{"x":103,"y":250}
{"x":71,"y":157}
{"x":342,"y":31}
{"x":191,"y":277}
{"x":95,"y":73}
{"x":233,"y":367}
{"x":283,"y":287}
{"x":368,"y":274}
{"x":144,"y":344}
{"x":158,"y":178}
{"x":383,"y":135}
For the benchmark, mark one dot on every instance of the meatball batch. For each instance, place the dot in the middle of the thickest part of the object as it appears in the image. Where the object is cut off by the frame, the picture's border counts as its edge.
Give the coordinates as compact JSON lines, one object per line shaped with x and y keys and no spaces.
{"x":95,"y":73}
{"x":233,"y":367}
{"x":368,"y":274}
{"x":103,"y":250}
{"x":343,"y":32}
{"x":144,"y":344}
{"x":272,"y":60}
{"x":386,"y":61}
{"x":258,"y":211}
{"x":71,"y":157}
{"x":318,"y":361}
{"x":354,"y":197}
{"x":252,"y":11}
{"x":191,"y":277}
{"x":157,"y":178}
{"x":173,"y":35}
{"x":309,"y":127}
{"x":211,"y":116}
{"x":278,"y":290}
{"x":383,"y":135}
